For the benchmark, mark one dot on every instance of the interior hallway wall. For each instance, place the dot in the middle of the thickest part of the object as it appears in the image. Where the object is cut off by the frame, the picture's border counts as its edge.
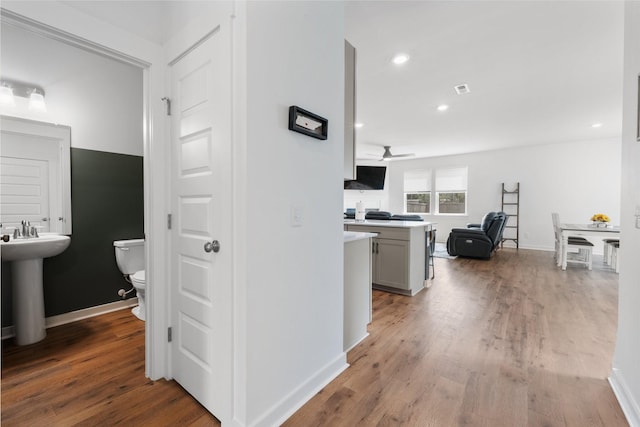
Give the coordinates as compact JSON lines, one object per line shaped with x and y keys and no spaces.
{"x":625,"y":377}
{"x":295,"y":56}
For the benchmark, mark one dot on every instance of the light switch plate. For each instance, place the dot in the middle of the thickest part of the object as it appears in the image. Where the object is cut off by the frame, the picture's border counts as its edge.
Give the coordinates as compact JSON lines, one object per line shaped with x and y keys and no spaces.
{"x":297,"y":216}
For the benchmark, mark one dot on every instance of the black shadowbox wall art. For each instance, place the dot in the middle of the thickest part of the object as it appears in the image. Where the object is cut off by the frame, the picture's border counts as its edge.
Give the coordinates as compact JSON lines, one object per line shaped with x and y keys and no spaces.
{"x":307,"y":123}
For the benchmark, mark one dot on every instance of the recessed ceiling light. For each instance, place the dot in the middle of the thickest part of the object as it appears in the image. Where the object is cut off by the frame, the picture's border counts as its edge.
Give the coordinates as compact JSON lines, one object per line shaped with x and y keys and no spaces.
{"x":443,"y":107}
{"x":596,"y":125}
{"x":359,"y":125}
{"x":400,"y":58}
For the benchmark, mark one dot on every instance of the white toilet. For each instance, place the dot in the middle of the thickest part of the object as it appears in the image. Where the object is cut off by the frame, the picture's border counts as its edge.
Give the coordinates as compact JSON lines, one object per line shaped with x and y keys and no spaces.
{"x":130,"y":260}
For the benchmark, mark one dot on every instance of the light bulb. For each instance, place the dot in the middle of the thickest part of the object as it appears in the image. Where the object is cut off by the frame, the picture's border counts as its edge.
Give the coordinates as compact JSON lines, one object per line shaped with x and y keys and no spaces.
{"x":6,"y":96}
{"x":36,"y":102}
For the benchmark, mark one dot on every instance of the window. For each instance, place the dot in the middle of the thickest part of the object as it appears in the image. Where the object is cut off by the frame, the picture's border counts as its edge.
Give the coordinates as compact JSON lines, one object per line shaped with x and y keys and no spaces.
{"x":417,"y":191}
{"x":451,"y":191}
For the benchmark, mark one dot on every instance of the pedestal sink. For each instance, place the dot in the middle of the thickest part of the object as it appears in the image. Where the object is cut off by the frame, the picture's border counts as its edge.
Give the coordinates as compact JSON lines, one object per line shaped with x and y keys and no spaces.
{"x":26,"y":256}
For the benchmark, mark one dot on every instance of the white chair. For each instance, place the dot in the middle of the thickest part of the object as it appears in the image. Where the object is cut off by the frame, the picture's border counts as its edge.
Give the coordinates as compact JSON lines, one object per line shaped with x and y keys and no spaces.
{"x":608,"y":250}
{"x":615,"y":255}
{"x":555,"y":218}
{"x":585,"y":248}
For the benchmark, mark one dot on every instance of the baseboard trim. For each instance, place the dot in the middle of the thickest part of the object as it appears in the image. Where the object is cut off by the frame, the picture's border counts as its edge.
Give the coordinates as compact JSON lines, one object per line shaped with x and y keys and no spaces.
{"x":74,"y":316}
{"x":356,"y":343}
{"x":286,"y":407}
{"x":629,"y":406}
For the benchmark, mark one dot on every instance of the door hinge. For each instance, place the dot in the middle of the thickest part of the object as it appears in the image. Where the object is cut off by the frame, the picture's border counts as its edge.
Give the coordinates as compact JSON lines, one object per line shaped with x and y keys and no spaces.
{"x":168,"y":102}
{"x":169,"y":221}
{"x":169,"y":334}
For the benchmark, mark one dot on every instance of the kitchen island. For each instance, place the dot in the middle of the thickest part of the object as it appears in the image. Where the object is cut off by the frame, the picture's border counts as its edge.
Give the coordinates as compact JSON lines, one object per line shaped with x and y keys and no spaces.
{"x":357,"y":287}
{"x":399,"y":253}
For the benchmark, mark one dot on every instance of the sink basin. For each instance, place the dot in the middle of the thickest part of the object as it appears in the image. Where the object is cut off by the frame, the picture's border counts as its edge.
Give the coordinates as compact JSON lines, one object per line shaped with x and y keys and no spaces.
{"x":26,"y":282}
{"x":45,"y":246}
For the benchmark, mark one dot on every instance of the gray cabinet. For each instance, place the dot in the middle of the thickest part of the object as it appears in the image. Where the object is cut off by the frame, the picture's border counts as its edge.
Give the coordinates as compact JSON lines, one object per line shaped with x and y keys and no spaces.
{"x":398,"y":255}
{"x":390,"y":263}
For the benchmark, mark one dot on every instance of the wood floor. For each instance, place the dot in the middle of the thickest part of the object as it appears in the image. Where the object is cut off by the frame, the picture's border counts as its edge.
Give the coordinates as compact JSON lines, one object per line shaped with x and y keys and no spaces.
{"x":513,"y":341}
{"x":91,"y":373}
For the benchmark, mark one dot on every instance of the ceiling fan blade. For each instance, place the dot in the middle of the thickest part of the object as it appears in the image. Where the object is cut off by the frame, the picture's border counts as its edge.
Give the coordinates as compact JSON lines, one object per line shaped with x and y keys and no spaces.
{"x":403,"y":155}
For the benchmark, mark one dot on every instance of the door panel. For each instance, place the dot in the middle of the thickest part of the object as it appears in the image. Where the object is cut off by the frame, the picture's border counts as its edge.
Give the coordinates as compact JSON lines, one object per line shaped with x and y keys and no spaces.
{"x":201,"y":205}
{"x":391,"y":263}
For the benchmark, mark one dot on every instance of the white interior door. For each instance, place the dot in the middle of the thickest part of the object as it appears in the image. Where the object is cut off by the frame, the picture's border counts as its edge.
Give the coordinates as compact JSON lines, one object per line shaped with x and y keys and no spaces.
{"x":201,"y":297}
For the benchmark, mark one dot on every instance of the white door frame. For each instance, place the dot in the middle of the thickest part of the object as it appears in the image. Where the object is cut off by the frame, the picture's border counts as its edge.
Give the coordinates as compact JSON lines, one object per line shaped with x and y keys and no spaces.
{"x":63,"y":23}
{"x":67,"y":25}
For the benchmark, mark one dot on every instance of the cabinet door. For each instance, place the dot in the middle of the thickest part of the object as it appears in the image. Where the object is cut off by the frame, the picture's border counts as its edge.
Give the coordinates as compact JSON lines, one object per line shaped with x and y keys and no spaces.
{"x":390,"y":263}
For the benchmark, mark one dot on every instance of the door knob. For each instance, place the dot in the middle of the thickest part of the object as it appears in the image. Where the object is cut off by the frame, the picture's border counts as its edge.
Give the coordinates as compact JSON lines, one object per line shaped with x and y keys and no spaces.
{"x":212,"y":246}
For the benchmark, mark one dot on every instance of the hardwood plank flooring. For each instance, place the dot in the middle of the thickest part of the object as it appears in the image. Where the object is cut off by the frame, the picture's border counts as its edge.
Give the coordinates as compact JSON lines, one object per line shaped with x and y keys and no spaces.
{"x":513,"y":341}
{"x":91,"y":373}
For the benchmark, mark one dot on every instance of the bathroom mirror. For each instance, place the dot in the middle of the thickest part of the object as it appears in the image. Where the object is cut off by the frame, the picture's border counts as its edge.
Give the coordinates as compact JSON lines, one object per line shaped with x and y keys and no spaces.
{"x":35,"y":178}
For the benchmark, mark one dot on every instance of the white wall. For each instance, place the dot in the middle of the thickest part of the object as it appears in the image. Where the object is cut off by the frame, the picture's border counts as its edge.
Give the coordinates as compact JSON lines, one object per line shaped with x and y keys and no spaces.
{"x":626,"y":370}
{"x":295,"y":56}
{"x":575,"y":179}
{"x":98,"y":97}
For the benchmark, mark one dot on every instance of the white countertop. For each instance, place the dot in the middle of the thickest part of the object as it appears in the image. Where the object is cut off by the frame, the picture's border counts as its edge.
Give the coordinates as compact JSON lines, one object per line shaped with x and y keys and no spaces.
{"x":352,"y":236}
{"x":383,"y":223}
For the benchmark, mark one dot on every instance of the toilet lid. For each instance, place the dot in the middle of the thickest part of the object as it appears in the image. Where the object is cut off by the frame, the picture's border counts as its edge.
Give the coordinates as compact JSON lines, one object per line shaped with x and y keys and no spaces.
{"x":138,"y":276}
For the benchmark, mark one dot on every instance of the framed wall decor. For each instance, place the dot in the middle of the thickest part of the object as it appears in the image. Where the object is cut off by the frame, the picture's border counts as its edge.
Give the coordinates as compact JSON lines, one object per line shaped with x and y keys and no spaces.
{"x":307,"y":123}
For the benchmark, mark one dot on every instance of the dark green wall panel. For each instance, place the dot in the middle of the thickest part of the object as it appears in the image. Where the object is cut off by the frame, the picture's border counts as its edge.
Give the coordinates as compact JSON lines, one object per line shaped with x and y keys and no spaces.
{"x":107,"y":205}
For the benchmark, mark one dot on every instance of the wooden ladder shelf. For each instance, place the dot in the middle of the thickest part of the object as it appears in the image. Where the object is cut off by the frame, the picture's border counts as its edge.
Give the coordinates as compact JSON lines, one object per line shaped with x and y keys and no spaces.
{"x":511,"y":206}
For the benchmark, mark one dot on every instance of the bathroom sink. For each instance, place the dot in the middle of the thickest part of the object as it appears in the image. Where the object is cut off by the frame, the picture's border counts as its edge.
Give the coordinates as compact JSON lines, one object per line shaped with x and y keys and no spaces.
{"x":45,"y":246}
{"x":26,"y":282}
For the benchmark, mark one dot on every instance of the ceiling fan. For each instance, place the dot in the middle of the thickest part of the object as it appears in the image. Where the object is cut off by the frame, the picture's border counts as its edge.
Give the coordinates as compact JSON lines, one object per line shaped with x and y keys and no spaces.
{"x":388,"y":156}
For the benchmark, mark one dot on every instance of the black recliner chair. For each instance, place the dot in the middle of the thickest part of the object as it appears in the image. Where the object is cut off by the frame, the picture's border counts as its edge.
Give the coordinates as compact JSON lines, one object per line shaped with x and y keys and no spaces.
{"x":478,"y":240}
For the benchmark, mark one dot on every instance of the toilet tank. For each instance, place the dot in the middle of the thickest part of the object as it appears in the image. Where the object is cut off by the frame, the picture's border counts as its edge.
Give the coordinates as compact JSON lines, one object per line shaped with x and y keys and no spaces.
{"x":129,"y":255}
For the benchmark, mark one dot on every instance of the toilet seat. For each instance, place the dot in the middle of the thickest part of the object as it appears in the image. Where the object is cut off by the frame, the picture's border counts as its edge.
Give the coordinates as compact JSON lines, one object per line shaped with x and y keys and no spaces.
{"x":138,"y":278}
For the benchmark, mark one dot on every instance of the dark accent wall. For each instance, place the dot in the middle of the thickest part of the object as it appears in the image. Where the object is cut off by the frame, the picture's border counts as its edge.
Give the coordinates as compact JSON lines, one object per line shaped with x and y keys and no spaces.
{"x":106,"y":205}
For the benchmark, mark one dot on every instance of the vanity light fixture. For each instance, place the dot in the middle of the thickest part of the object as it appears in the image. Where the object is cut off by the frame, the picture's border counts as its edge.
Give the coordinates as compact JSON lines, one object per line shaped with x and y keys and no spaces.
{"x":9,"y":89}
{"x":400,"y":58}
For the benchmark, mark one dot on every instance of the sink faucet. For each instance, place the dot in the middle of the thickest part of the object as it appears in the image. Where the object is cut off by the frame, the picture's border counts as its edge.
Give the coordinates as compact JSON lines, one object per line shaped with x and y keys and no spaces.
{"x":25,"y":228}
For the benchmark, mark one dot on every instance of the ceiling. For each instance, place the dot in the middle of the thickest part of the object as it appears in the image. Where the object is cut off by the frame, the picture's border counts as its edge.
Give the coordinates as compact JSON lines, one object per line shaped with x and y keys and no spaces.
{"x":539,"y":72}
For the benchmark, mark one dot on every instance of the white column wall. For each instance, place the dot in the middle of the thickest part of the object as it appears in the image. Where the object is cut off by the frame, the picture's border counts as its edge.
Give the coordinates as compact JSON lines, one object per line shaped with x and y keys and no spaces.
{"x":625,"y":377}
{"x":294,"y":274}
